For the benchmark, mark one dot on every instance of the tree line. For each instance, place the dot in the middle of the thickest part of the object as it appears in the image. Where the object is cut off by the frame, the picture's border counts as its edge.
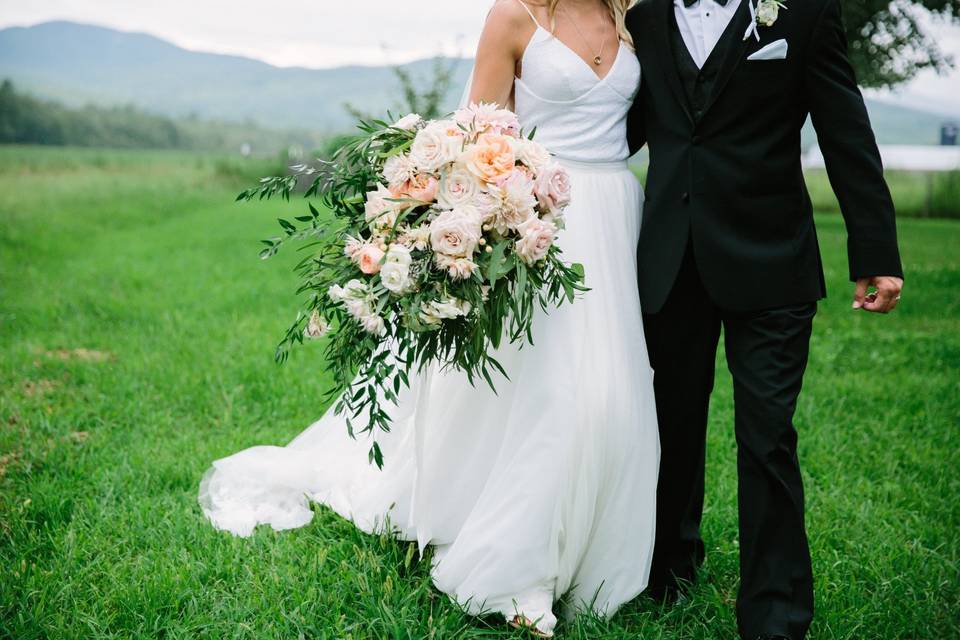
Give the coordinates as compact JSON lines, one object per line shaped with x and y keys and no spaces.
{"x":25,"y":119}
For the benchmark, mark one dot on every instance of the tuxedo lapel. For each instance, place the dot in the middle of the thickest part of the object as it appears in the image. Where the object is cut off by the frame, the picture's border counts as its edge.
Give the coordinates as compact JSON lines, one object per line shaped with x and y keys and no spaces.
{"x":663,"y":50}
{"x":734,"y":51}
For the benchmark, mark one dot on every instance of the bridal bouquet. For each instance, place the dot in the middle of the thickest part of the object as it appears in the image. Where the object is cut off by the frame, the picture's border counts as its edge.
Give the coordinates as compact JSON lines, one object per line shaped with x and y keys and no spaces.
{"x":439,"y":243}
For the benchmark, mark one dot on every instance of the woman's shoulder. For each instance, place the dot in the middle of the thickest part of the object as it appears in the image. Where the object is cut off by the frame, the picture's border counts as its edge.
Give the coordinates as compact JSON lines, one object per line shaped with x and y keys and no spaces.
{"x":511,"y":13}
{"x":509,"y":21}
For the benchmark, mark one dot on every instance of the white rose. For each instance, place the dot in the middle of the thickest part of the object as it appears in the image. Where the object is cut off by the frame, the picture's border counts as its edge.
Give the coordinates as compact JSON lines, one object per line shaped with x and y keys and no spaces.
{"x":353,"y":289}
{"x":395,"y":277}
{"x":536,"y":238}
{"x":433,"y":148}
{"x":768,"y":12}
{"x":398,"y":170}
{"x":398,"y":254}
{"x":455,"y":233}
{"x":408,"y":122}
{"x":435,"y":311}
{"x":532,"y":154}
{"x":458,"y":186}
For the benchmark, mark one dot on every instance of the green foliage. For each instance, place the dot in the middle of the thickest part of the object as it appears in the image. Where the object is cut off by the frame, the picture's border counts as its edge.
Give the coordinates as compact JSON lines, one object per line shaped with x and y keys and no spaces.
{"x":888,"y":42}
{"x":127,"y":255}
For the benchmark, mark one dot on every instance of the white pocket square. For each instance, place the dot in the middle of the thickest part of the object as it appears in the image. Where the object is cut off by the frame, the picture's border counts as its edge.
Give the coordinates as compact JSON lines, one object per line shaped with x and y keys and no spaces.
{"x":773,"y":51}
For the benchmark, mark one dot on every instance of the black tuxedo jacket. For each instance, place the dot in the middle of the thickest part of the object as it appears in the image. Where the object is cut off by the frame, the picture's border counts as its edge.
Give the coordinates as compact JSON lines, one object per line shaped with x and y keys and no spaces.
{"x":730,"y":180}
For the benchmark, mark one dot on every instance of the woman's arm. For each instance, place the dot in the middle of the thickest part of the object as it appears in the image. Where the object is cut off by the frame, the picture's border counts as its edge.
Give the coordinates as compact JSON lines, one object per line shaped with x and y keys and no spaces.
{"x":505,"y":34}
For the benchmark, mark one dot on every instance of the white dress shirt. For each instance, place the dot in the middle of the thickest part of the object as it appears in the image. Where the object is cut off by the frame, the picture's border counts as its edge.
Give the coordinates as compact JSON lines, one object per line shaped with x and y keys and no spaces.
{"x":702,"y":24}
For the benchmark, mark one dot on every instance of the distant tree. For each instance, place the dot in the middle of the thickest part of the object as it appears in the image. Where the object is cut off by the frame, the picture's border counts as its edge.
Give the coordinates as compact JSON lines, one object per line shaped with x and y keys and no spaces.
{"x":428,"y":102}
{"x":888,"y":42}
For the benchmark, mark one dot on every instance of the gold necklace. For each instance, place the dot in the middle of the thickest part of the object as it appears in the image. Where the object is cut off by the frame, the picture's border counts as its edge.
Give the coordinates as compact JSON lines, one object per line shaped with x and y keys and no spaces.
{"x":598,"y":58}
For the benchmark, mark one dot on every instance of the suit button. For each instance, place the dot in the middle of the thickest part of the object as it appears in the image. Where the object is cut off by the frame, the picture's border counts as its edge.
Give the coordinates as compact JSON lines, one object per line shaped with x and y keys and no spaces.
{"x":697,"y":140}
{"x":685,"y":197}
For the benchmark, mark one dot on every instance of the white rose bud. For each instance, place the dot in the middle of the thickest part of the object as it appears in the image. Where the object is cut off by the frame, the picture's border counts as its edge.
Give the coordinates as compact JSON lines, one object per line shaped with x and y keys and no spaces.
{"x":395,"y":277}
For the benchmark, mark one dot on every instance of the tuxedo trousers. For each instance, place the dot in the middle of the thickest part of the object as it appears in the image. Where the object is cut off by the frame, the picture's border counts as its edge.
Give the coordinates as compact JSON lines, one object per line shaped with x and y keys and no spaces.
{"x":766,"y":353}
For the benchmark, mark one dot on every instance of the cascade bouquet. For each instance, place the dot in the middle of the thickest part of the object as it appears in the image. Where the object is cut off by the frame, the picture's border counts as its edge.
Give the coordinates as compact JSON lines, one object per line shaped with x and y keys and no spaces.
{"x":436,"y":243}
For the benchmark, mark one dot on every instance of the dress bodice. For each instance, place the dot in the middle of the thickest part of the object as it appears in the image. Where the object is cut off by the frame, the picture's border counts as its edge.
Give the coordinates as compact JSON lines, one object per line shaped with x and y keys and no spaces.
{"x":578,"y":115}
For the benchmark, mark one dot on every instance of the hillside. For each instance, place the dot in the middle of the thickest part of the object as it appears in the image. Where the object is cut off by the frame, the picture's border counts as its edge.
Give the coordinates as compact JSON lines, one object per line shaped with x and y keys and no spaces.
{"x":77,"y":64}
{"x":80,"y":64}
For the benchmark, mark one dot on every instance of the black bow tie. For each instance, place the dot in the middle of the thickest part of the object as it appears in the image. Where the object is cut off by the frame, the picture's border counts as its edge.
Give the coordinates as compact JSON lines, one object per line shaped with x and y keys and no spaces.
{"x":690,"y":3}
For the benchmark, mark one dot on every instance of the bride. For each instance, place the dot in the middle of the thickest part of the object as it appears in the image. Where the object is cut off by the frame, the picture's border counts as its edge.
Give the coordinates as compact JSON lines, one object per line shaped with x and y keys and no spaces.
{"x":542,"y":490}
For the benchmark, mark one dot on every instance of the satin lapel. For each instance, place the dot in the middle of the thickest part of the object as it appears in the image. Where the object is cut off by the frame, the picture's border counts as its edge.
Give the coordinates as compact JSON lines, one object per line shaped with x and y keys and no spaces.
{"x":661,"y":30}
{"x":736,"y":52}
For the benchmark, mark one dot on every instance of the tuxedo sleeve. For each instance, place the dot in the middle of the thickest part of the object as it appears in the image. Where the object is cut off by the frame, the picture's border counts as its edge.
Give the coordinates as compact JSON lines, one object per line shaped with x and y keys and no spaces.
{"x":636,"y":118}
{"x":850,"y":150}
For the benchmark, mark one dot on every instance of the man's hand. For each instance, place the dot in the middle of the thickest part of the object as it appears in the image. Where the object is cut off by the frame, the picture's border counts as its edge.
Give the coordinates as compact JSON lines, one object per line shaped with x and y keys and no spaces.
{"x":883,"y":300}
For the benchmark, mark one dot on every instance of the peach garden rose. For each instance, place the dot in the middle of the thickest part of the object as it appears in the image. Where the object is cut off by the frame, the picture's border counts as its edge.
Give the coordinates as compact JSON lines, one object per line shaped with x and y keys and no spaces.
{"x":492,"y":158}
{"x":369,"y":259}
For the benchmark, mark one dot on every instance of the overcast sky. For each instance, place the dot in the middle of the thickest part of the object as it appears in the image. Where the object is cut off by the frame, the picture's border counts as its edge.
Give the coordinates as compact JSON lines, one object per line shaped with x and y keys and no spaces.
{"x":326,"y":33}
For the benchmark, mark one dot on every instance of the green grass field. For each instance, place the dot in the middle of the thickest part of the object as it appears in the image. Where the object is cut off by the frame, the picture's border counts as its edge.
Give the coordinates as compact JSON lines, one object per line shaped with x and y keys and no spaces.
{"x":136,"y":347}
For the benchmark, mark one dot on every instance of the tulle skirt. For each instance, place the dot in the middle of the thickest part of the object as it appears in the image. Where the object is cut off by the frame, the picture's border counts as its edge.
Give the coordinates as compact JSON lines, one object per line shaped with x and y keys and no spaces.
{"x":546,"y":488}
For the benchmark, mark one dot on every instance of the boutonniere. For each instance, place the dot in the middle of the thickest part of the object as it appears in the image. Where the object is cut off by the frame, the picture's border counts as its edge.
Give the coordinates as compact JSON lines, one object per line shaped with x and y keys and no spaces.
{"x":765,"y":14}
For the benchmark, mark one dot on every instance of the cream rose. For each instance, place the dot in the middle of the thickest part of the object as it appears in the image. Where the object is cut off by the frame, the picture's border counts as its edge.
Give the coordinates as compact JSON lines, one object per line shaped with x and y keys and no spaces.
{"x":532,"y":154}
{"x":491,"y":158}
{"x":409,"y":122}
{"x":434,"y":147}
{"x":455,"y":233}
{"x":552,"y":187}
{"x":398,"y":254}
{"x":536,"y":238}
{"x":457,"y":187}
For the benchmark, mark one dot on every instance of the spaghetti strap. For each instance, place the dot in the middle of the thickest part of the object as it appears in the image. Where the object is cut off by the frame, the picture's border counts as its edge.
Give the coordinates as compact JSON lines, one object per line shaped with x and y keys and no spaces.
{"x":530,"y":13}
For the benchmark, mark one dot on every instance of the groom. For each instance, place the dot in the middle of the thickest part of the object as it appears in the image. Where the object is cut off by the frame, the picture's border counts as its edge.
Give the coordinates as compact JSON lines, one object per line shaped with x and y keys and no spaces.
{"x":728,"y":240}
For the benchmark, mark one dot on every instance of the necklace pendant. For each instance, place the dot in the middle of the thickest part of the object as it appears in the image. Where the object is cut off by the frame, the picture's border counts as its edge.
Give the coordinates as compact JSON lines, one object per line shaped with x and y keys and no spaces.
{"x":598,"y":61}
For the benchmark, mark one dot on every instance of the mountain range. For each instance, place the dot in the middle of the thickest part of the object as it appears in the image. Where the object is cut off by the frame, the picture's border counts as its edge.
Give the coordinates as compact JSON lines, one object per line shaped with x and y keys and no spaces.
{"x":80,"y":64}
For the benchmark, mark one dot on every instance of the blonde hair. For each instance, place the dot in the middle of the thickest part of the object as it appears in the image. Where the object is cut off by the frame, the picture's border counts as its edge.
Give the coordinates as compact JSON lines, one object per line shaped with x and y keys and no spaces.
{"x":618,"y":11}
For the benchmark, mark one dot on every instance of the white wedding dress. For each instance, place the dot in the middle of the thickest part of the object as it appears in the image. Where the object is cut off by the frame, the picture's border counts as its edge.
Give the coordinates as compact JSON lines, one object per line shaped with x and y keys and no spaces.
{"x":548,"y":487}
